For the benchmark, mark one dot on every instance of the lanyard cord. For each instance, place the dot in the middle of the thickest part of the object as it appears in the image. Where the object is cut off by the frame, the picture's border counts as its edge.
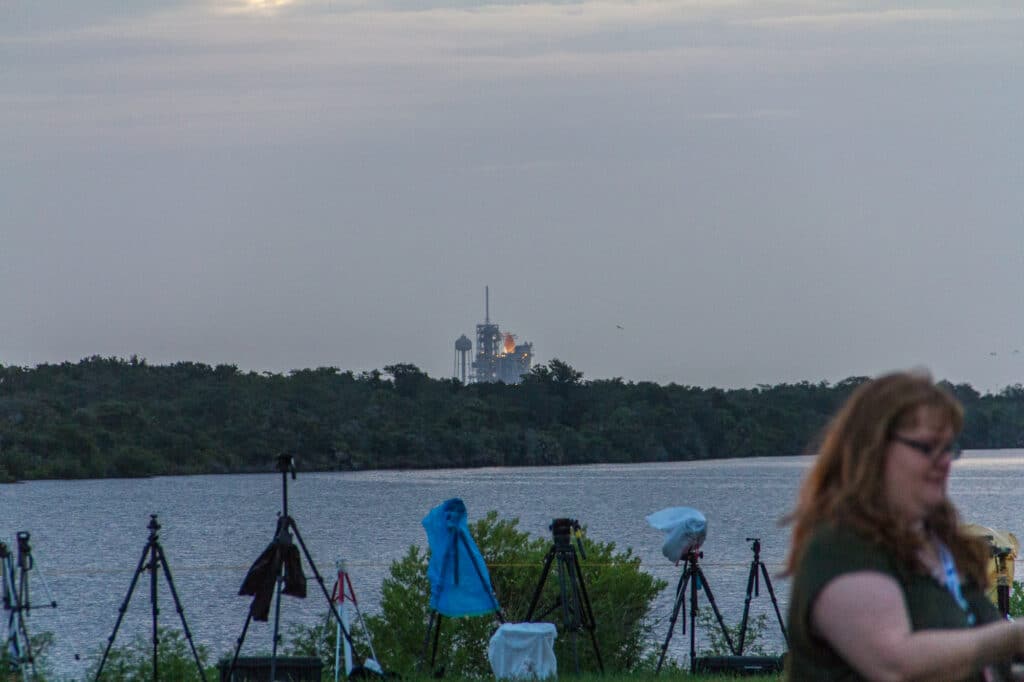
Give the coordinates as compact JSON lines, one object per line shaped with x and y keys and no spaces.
{"x":953,"y":579}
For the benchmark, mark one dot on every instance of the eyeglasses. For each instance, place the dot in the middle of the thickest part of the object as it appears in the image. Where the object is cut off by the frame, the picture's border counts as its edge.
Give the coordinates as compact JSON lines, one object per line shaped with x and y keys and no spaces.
{"x":928,"y":449}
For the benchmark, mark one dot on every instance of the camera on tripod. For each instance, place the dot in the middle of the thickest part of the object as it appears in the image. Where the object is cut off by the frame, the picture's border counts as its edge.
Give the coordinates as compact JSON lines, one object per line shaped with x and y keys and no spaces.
{"x":563,"y":530}
{"x":685,"y":530}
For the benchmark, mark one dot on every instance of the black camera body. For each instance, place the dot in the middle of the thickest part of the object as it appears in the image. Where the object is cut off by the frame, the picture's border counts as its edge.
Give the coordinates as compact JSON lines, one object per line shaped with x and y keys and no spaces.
{"x":1000,"y":552}
{"x":286,"y":464}
{"x":562,"y":531}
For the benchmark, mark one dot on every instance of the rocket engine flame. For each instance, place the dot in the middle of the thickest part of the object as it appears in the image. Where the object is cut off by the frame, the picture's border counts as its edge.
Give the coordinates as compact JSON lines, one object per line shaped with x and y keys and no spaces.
{"x":510,"y":344}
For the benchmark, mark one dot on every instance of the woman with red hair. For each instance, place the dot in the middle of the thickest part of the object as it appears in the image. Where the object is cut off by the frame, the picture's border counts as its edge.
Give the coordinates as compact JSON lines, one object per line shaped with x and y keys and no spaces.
{"x":885,"y":584}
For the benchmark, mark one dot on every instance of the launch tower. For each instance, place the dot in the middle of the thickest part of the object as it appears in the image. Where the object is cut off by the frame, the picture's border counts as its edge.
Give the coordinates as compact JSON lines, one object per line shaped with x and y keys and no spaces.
{"x":498,"y":357}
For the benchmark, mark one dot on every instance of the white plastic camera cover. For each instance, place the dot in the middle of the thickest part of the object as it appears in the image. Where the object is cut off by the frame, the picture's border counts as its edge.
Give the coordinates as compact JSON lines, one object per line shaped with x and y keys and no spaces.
{"x":685,"y":528}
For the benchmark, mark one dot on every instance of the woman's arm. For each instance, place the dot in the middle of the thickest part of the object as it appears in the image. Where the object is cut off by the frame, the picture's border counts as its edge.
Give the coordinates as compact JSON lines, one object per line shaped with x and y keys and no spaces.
{"x":864,"y":617}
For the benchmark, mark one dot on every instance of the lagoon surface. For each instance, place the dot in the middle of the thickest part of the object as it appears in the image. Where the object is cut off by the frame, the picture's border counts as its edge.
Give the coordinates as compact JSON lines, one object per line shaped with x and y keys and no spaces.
{"x":87,"y":536}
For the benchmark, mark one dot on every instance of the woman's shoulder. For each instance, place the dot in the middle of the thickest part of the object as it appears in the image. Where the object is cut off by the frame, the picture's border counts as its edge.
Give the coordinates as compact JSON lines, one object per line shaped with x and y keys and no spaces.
{"x":828,"y":534}
{"x":833,"y":549}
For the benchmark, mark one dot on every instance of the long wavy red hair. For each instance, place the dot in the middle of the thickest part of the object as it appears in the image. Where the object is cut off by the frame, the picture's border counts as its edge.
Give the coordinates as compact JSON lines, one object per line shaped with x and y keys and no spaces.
{"x":845,"y":485}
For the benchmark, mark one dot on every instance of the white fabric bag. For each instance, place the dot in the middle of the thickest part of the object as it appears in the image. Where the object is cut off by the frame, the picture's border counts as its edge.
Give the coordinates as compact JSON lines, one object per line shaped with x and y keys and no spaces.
{"x":523,"y":651}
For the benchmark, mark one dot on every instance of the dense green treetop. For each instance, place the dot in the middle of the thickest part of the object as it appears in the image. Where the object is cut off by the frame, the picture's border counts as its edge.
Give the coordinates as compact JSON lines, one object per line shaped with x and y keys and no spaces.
{"x":106,"y":417}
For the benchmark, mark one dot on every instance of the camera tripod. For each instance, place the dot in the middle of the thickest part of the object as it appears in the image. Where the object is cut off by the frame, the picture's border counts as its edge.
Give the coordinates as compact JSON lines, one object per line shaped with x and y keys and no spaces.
{"x":754,"y":590}
{"x":577,"y":613}
{"x":17,"y":600}
{"x":694,"y":577}
{"x":278,"y":570}
{"x":450,"y":595}
{"x":156,"y":559}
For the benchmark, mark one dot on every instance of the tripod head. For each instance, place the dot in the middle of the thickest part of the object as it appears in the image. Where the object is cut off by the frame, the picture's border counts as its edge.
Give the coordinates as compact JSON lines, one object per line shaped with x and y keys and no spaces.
{"x":153,"y":527}
{"x":286,"y":464}
{"x":756,"y":547}
{"x":563,"y":531}
{"x":25,"y":561}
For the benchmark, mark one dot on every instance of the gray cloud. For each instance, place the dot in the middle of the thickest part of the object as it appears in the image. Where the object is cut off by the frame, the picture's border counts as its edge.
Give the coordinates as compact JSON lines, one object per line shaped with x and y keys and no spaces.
{"x":755,"y":192}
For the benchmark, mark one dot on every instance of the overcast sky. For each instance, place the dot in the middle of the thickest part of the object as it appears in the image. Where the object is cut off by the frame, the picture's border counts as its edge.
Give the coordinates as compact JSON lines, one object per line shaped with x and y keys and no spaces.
{"x":709,"y":192}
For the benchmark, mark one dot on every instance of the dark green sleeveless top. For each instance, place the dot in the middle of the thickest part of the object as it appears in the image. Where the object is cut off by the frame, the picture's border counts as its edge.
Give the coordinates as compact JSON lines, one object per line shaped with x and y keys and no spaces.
{"x":833,"y":551}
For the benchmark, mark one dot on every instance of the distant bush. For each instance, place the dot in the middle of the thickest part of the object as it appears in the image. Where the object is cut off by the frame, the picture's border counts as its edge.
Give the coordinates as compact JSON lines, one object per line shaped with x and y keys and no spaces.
{"x":40,"y":643}
{"x":133,"y":662}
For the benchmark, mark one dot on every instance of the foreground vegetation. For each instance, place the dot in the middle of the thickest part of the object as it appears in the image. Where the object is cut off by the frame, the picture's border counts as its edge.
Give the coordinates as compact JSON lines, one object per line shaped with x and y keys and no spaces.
{"x":108,"y":417}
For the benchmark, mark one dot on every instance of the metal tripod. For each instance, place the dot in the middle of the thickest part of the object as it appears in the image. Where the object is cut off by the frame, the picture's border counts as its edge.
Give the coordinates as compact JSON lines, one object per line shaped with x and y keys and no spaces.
{"x":286,"y":527}
{"x":577,"y":613}
{"x":694,"y":577}
{"x":17,"y":601}
{"x":152,"y":559}
{"x":758,"y":569}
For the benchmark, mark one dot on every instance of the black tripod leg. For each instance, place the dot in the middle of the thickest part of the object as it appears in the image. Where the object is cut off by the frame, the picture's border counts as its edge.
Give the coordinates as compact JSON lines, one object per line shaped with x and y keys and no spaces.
{"x":714,"y":607}
{"x":238,"y":646}
{"x":121,"y":611}
{"x":277,"y":624}
{"x":775,"y":602}
{"x":694,"y":586}
{"x":12,"y":644}
{"x":426,"y":640}
{"x":154,"y":609}
{"x":680,"y":598}
{"x":540,"y":583}
{"x":570,"y":609}
{"x":28,"y":656}
{"x":437,"y":641}
{"x":751,"y":579}
{"x":181,"y":611}
{"x":435,"y":620}
{"x":10,"y":601}
{"x":588,"y":620}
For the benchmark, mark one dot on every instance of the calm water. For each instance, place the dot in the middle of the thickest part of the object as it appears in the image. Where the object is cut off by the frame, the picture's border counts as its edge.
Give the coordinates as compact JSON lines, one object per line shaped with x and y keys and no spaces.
{"x":87,"y":536}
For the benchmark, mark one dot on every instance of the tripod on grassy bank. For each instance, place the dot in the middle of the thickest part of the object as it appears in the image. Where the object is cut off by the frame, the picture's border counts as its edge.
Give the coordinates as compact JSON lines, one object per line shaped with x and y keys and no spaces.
{"x":17,"y":601}
{"x":156,"y":559}
{"x":577,"y":613}
{"x":694,"y":577}
{"x":278,"y":570}
{"x":758,"y":569}
{"x":451,"y":595}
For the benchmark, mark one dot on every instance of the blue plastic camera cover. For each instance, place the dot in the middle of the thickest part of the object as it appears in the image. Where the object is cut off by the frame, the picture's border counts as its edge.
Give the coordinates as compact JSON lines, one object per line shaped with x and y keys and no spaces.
{"x":459,"y":582}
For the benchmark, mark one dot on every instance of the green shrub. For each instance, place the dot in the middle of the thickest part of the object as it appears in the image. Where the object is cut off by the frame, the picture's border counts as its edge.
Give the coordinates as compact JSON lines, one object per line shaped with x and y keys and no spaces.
{"x":1017,"y":599}
{"x":41,"y":644}
{"x":715,"y":643}
{"x":133,"y":662}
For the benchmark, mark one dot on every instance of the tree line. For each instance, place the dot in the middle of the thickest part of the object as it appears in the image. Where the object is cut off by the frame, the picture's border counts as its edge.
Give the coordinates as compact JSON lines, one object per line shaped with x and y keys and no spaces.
{"x":113,"y":417}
